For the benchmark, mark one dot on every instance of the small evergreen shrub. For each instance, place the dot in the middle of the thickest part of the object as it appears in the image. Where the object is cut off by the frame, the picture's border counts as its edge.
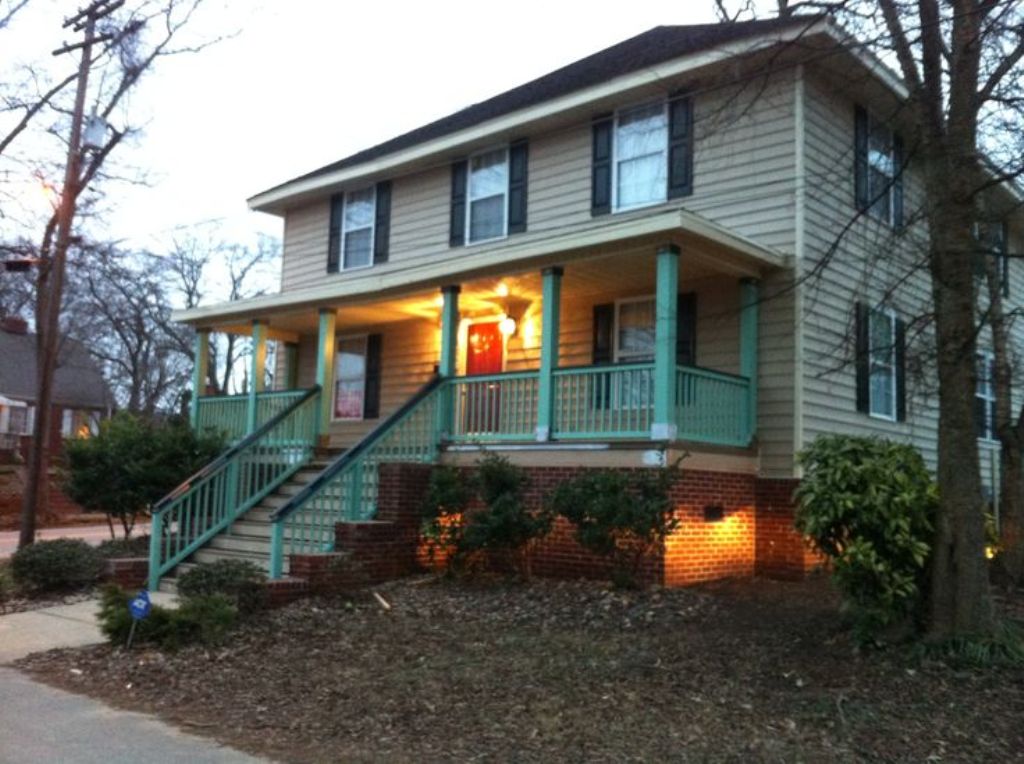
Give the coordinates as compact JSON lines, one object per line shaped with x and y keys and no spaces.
{"x":239,"y":581}
{"x":136,"y":546}
{"x":867,"y":504}
{"x":6,"y":586}
{"x":618,"y":515}
{"x":57,"y":565}
{"x":206,"y":619}
{"x":448,"y":495}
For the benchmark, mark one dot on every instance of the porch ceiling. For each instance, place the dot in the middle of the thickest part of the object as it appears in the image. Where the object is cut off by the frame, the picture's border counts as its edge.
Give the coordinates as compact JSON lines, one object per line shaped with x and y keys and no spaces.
{"x":594,"y":254}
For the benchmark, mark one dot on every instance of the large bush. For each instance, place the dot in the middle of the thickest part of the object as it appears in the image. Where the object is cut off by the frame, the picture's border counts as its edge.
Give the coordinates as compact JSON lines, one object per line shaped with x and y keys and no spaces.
{"x":868,"y":505}
{"x":58,"y":565}
{"x":240,"y":581}
{"x":619,"y":515}
{"x":133,"y":462}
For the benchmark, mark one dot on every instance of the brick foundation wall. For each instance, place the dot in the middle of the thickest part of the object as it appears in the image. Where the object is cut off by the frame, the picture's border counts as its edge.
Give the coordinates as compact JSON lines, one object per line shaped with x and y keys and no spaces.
{"x":780,"y":551}
{"x":128,"y":572}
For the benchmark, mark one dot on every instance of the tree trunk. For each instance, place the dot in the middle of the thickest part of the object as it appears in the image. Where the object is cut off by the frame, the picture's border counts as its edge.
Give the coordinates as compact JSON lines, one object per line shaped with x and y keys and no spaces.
{"x":960,"y":602}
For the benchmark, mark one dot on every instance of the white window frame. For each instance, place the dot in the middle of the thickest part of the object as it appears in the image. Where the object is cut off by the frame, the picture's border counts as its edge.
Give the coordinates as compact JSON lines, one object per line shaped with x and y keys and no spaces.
{"x":616,"y":350}
{"x":890,"y":316}
{"x":469,"y":196}
{"x":337,"y":371}
{"x":987,"y":360}
{"x":889,"y":171}
{"x":616,"y":207}
{"x":67,"y":423}
{"x":345,"y":229}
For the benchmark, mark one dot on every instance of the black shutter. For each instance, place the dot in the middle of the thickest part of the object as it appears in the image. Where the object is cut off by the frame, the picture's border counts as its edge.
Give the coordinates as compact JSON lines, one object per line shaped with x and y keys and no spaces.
{"x":862,"y":357}
{"x":686,"y":329}
{"x":601,"y":168}
{"x":517,"y":171}
{"x":604,"y":350}
{"x":382,"y":225}
{"x":334,"y":238}
{"x":371,"y":395}
{"x":901,"y":370}
{"x":680,"y":147}
{"x":897,"y":182}
{"x":860,"y":158}
{"x":457,"y":231}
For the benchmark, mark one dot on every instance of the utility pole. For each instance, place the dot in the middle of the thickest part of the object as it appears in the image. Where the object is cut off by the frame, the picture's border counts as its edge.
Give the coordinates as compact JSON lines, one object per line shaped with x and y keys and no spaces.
{"x":51,"y":275}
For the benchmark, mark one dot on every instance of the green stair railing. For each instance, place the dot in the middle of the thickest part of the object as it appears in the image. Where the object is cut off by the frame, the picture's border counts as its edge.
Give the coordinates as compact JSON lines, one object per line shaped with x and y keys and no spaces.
{"x":228,"y":413}
{"x":347,"y":488}
{"x":209,"y":501}
{"x":713,"y":407}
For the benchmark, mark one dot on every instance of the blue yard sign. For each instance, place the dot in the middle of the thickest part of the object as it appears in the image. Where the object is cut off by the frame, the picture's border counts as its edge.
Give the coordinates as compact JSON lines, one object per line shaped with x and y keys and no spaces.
{"x":139,"y":606}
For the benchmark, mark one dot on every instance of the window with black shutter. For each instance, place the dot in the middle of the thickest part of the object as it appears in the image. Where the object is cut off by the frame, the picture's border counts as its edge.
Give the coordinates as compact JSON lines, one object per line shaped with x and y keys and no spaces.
{"x":880,"y":363}
{"x":489,"y":195}
{"x":878,"y":168}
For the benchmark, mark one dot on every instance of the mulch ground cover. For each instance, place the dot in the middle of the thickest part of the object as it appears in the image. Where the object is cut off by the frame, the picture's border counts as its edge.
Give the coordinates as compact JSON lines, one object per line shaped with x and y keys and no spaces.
{"x":555,"y":671}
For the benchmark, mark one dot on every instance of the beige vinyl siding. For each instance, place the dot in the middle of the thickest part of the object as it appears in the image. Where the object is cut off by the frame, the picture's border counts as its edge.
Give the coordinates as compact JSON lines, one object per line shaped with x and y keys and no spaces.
{"x":743,"y":178}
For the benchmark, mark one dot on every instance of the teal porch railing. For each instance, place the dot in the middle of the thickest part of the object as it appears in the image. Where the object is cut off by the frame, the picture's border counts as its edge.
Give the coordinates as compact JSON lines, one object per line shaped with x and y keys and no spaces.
{"x":494,"y":407}
{"x":713,"y":407}
{"x":604,"y":401}
{"x":347,"y":488}
{"x":209,"y":501}
{"x":227,"y":413}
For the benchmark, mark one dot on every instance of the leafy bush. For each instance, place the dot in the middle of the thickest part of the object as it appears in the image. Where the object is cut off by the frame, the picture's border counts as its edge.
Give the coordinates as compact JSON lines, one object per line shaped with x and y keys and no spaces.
{"x":206,"y":619}
{"x":503,"y":525}
{"x":56,"y":565}
{"x":619,"y":515}
{"x":868,"y":505}
{"x":134,"y":462}
{"x":137,"y":546}
{"x":239,"y":581}
{"x":6,"y":586}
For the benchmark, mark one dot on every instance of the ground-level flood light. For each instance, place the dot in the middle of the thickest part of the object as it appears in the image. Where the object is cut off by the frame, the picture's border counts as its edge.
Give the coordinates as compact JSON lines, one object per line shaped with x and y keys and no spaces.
{"x":714,"y":512}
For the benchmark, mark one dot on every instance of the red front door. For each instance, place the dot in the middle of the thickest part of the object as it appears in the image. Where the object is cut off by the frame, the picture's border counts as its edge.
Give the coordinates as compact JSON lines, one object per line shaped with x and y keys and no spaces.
{"x":484,"y":355}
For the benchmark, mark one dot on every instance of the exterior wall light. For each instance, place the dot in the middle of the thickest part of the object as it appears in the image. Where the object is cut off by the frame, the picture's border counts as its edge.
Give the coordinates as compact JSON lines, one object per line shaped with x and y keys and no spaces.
{"x":714,"y":512}
{"x":507,"y":326}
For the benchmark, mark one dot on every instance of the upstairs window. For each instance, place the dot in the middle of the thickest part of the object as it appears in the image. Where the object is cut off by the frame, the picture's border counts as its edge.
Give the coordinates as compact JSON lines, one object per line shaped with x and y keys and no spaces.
{"x":878,"y":181}
{"x":880,"y":363}
{"x":357,"y":229}
{"x":487,"y":207}
{"x":641,"y":156}
{"x":985,"y":398}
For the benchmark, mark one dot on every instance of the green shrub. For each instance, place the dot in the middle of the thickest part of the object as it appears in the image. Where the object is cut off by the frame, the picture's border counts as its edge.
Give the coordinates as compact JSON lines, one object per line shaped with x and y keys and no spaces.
{"x":134,"y":462}
{"x":868,"y":505}
{"x":448,"y":495}
{"x":240,"y":581}
{"x":6,"y":585}
{"x":619,"y":515}
{"x":137,"y":546}
{"x":206,"y":620}
{"x":61,"y":564}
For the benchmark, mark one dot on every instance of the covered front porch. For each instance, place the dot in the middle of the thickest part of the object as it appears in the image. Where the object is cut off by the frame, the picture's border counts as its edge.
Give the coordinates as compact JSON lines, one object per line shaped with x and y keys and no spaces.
{"x":649,"y":342}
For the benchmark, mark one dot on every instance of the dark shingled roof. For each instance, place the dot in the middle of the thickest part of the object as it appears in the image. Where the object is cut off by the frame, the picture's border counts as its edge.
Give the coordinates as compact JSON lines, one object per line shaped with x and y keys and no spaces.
{"x":652,"y":47}
{"x":78,"y":382}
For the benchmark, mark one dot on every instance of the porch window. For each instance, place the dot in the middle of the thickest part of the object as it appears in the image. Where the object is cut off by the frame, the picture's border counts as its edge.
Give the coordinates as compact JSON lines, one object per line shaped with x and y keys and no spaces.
{"x":486,"y":216}
{"x":882,"y":364}
{"x":634,"y":331}
{"x":350,"y":378}
{"x":357,"y":229}
{"x":985,"y":397}
{"x":641,"y":156}
{"x":19,"y":420}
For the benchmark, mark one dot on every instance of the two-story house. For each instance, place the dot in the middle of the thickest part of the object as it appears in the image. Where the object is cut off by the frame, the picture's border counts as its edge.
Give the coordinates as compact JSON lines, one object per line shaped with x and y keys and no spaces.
{"x":673,"y":246}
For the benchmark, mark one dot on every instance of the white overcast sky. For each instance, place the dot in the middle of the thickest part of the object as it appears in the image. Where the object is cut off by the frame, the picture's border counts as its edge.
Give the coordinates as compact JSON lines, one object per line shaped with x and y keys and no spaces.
{"x":306,"y":82}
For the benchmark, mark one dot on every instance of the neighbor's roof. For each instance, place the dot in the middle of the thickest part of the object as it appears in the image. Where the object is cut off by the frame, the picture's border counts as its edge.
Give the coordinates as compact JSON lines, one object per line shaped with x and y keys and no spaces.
{"x":648,"y":49}
{"x":78,"y":381}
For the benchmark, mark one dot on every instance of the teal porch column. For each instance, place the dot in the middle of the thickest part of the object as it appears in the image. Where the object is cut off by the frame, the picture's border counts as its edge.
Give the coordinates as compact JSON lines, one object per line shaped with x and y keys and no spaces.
{"x":551,"y":297}
{"x":749,"y":309}
{"x":447,"y":365}
{"x":200,"y":372}
{"x":665,"y":331}
{"x":325,"y":368}
{"x":257,"y":370}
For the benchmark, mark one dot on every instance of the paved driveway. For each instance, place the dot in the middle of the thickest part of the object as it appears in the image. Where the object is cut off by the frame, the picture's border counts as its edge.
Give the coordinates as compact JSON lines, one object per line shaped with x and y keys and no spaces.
{"x":94,"y":534}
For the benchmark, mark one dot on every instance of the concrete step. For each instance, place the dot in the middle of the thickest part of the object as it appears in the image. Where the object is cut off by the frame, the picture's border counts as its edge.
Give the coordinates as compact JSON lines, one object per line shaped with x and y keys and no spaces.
{"x":208,"y":555}
{"x":238,"y":543}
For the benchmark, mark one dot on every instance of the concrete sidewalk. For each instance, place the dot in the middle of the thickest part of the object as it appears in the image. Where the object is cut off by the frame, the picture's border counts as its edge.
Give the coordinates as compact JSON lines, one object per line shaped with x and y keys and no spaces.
{"x":43,"y":724}
{"x":59,"y":626}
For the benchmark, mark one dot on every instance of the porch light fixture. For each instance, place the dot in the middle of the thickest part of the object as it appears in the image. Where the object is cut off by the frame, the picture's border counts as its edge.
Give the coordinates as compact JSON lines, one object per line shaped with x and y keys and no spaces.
{"x":502,"y":289}
{"x":507,"y":326}
{"x":713,"y":513}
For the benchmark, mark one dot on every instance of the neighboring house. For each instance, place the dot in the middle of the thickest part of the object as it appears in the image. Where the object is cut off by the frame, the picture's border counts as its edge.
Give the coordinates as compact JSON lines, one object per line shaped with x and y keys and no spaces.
{"x":694,"y":242}
{"x":80,"y":394}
